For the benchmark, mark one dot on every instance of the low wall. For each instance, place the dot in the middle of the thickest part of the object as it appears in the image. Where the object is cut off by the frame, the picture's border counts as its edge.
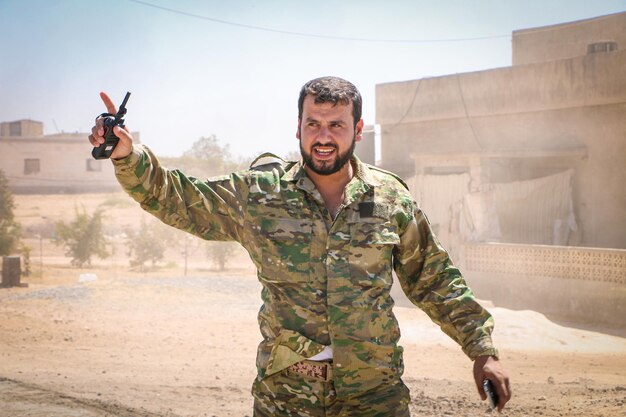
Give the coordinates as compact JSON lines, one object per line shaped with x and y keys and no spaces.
{"x":586,"y":285}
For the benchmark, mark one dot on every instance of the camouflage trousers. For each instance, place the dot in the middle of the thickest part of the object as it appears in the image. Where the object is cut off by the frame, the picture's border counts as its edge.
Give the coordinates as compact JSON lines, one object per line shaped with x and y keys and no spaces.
{"x":288,"y":394}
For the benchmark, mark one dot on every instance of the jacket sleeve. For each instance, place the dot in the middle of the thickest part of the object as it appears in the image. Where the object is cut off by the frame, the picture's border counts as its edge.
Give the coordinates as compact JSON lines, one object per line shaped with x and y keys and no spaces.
{"x":212,"y":209}
{"x":434,"y":284}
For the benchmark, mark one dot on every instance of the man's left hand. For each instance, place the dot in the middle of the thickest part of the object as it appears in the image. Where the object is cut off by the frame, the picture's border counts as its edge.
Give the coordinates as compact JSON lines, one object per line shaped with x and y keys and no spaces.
{"x":489,"y":367}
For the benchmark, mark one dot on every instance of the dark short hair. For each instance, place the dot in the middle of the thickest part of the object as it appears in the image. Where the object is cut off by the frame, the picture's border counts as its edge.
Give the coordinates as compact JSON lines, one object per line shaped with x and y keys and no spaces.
{"x":332,"y":90}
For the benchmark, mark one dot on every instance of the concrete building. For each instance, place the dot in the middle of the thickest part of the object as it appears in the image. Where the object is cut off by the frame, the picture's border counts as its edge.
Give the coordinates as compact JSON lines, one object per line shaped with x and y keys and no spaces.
{"x":366,"y":148}
{"x":534,"y":153}
{"x":59,"y":163}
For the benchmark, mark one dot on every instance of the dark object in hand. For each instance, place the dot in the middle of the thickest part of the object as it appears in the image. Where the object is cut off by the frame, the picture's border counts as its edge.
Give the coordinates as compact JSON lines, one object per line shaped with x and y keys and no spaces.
{"x":492,"y":395}
{"x":110,"y":140}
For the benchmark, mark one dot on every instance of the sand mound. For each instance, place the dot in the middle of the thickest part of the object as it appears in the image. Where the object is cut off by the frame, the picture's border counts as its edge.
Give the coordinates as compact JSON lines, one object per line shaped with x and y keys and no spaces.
{"x":526,"y":329}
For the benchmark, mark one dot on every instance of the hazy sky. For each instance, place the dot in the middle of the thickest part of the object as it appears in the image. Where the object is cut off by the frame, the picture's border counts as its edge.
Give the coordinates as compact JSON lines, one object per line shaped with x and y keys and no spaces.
{"x":192,"y":76}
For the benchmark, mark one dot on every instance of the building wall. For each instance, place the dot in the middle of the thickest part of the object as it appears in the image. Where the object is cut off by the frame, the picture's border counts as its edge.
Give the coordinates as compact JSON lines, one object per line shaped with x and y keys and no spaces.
{"x":447,"y":102}
{"x":60,"y":163}
{"x":567,"y":40}
{"x":578,"y":283}
{"x":21,"y":128}
{"x":366,"y":148}
{"x":576,"y":107}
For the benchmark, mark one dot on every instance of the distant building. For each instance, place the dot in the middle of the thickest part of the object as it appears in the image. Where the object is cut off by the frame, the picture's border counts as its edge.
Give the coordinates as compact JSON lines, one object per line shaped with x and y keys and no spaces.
{"x":366,"y":148}
{"x":59,"y":163}
{"x":534,"y":153}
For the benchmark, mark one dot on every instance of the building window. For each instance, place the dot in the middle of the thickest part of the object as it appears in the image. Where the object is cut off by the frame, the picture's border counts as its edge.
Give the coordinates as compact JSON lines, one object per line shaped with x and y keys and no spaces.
{"x":31,"y":166}
{"x":15,"y":129}
{"x":94,"y":165}
{"x":605,"y":46}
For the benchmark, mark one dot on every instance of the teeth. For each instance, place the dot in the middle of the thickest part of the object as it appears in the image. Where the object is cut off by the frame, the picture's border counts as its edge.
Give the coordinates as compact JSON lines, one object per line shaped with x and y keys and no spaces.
{"x":324,"y":150}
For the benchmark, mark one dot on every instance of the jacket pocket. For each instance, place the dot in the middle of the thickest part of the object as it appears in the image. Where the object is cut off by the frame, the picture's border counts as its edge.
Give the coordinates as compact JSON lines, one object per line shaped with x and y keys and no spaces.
{"x":371,"y":248}
{"x":285,"y":252}
{"x":290,"y":347}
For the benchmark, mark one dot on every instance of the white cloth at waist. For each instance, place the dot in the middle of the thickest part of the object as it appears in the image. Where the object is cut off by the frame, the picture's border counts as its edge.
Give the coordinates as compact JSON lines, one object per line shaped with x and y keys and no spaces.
{"x":324,"y":355}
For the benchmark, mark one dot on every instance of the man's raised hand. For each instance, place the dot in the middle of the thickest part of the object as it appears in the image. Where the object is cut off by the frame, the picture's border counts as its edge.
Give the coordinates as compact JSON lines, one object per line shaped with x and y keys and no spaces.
{"x":125,"y":144}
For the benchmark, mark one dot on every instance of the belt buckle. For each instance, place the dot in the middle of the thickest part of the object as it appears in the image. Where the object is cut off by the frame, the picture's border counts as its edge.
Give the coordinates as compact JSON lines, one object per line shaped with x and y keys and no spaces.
{"x":313,"y":369}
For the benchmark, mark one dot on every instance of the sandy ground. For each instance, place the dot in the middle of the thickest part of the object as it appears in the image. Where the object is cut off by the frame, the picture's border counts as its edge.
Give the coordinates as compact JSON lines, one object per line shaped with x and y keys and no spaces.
{"x":164,"y":344}
{"x":158,"y":346}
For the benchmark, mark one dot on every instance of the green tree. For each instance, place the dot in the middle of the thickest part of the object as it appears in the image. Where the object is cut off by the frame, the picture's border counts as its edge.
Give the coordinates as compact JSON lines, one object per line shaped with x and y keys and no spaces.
{"x":26,"y":263}
{"x":10,"y":231}
{"x":147,"y":244}
{"x":209,"y":149}
{"x":83,"y":237}
{"x":221,"y":252}
{"x":207,"y":158}
{"x":293,"y":156}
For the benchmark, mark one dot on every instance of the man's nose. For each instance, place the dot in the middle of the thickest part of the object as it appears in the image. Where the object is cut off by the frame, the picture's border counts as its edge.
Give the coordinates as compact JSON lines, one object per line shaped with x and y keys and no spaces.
{"x":323,"y":134}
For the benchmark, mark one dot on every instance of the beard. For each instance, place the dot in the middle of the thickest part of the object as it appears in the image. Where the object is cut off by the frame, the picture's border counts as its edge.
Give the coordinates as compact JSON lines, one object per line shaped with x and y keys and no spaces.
{"x":327,"y":167}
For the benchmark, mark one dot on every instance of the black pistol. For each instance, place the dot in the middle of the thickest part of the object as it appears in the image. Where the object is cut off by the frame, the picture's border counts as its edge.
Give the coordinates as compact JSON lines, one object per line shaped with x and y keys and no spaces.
{"x":110,"y":140}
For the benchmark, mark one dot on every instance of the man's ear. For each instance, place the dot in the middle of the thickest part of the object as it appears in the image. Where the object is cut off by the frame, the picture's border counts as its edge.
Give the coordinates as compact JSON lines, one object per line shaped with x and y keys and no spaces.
{"x":358,"y":130}
{"x":298,"y":130}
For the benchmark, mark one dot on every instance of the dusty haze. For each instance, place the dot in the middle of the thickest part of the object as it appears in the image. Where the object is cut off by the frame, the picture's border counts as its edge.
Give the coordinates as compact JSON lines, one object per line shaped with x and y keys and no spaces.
{"x":162,"y":344}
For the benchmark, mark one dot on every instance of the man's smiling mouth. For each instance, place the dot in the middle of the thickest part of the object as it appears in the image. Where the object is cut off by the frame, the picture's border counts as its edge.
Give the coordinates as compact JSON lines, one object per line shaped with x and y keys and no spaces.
{"x":324,"y":150}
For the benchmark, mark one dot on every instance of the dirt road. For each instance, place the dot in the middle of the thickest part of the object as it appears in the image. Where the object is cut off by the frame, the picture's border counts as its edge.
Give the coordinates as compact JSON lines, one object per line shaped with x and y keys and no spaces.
{"x":159,"y":346}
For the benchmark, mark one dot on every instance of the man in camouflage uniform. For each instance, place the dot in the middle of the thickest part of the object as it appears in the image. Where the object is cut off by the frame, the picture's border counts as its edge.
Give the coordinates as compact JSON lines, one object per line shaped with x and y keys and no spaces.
{"x":325,"y":235}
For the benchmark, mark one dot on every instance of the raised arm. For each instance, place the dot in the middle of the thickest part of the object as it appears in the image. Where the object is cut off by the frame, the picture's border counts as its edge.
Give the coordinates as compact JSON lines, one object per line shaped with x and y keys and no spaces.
{"x":212,"y":209}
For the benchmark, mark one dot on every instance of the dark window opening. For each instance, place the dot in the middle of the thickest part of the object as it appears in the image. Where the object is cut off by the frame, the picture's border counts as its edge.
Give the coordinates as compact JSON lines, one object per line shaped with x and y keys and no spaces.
{"x":31,"y":166}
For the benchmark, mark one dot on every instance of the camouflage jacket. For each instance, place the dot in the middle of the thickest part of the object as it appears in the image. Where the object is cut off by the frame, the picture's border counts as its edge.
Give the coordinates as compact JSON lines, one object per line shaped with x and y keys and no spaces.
{"x":325,"y":282}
